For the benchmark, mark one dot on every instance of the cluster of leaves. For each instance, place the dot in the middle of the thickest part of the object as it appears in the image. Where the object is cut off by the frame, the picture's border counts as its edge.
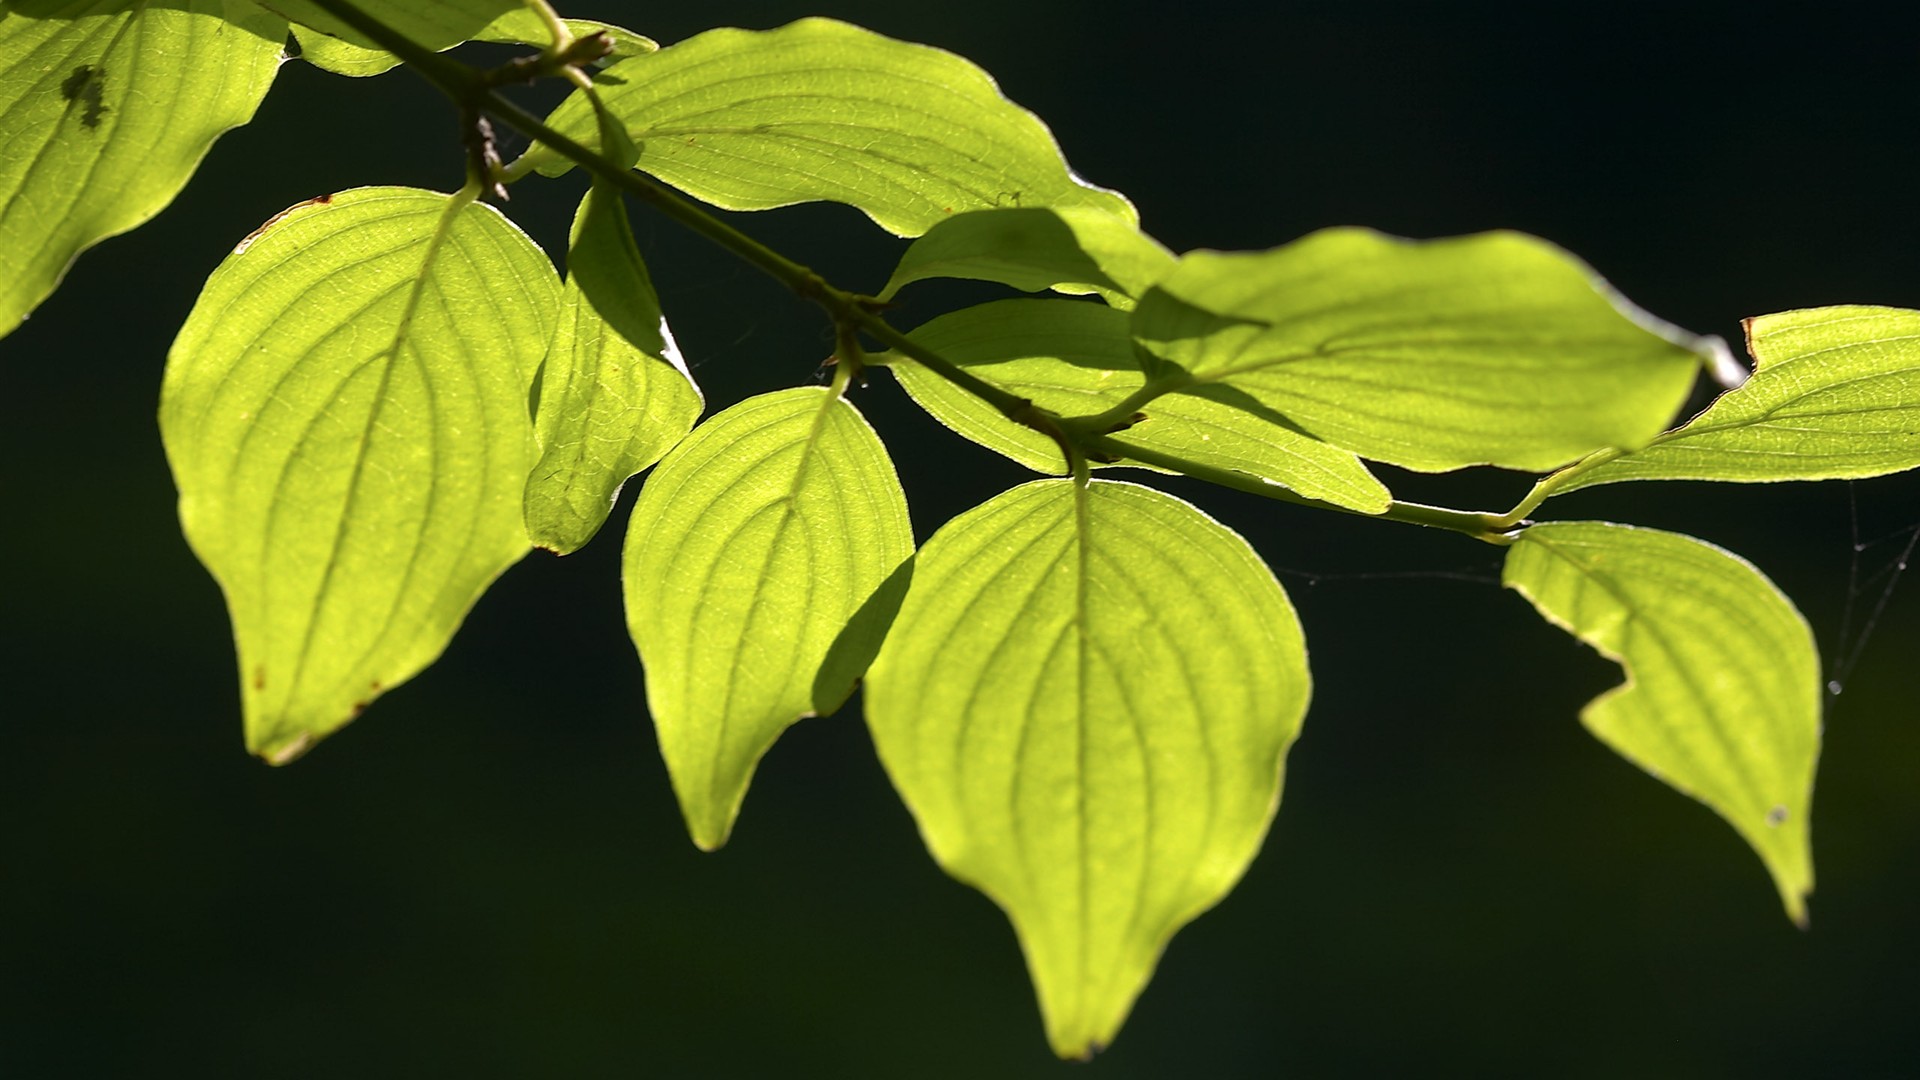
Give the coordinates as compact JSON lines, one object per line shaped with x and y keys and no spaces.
{"x":1084,"y":689}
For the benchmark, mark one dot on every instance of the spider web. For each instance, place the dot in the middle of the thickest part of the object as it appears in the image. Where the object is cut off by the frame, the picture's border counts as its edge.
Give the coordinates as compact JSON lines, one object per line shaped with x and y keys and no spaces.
{"x":1874,"y":570}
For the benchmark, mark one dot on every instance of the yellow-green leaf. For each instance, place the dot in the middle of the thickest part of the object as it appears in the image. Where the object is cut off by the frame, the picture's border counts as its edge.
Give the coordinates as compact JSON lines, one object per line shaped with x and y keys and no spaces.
{"x":1835,"y":393}
{"x":1491,"y":349}
{"x":1073,"y":249}
{"x":759,"y":558}
{"x":1076,"y":359}
{"x":345,"y":412}
{"x":1086,"y":702}
{"x":519,"y":26}
{"x":431,"y":24}
{"x":615,"y":394}
{"x":106,"y":109}
{"x":1722,"y":698}
{"x":818,"y":109}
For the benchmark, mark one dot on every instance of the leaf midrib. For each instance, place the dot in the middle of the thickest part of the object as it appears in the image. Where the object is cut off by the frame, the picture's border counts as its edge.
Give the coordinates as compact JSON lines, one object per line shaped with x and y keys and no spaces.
{"x":786,"y":504}
{"x":442,"y":227}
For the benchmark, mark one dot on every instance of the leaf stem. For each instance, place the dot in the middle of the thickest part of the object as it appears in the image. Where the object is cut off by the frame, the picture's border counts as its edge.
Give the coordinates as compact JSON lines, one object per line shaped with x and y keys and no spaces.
{"x":1485,"y":527}
{"x":556,"y":26}
{"x":1551,"y":484}
{"x":1127,"y":412}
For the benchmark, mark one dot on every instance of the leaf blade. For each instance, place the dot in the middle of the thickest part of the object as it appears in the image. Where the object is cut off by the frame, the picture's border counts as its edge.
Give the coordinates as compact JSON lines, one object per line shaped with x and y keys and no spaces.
{"x":1835,"y":395}
{"x":519,"y":26}
{"x":1433,"y":355}
{"x":615,"y":393}
{"x":822,"y":110}
{"x":349,"y":457}
{"x":104,"y":125}
{"x":1030,"y":620}
{"x":1722,"y":698}
{"x":753,"y":547}
{"x":438,"y":25}
{"x":1071,"y":249}
{"x":1076,"y":358}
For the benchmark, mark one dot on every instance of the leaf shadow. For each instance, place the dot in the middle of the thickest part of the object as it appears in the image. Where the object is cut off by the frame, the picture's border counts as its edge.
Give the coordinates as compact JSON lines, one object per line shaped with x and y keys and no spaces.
{"x":853,"y":651}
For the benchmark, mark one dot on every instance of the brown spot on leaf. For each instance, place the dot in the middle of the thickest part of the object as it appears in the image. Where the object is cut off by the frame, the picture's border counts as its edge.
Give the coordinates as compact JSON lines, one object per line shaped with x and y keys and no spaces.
{"x":318,"y":200}
{"x":290,"y":750}
{"x":1777,"y":816}
{"x":259,"y":676}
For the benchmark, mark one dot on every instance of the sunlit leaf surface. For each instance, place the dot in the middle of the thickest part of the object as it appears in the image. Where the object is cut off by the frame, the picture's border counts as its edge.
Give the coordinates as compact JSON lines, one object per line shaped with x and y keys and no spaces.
{"x":1072,"y":249}
{"x":1722,"y":698}
{"x":754,"y":548}
{"x":432,"y":24}
{"x":519,"y":26}
{"x":615,"y":394}
{"x":1835,"y":393}
{"x":818,"y":109}
{"x":1086,"y":702}
{"x":345,"y":412}
{"x":1076,"y":359}
{"x":106,"y":108}
{"x":1490,"y":349}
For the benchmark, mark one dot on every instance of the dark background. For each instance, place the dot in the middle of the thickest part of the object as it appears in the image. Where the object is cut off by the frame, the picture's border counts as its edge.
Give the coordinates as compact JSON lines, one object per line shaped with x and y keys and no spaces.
{"x":487,"y":875}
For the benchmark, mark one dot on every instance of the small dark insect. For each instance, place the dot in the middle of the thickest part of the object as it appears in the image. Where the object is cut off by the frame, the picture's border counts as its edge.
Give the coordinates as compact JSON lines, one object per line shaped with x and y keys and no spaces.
{"x":85,"y":86}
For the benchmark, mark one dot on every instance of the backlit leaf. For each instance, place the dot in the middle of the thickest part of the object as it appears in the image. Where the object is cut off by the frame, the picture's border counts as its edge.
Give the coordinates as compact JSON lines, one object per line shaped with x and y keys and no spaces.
{"x":615,"y":394}
{"x":519,"y":26}
{"x":1835,"y":393}
{"x":753,"y":547}
{"x":1071,"y":249}
{"x":106,"y":108}
{"x":1490,"y":349}
{"x":431,"y":24}
{"x":1076,"y":359}
{"x":1086,"y":702}
{"x":1722,"y":698}
{"x":345,"y":412}
{"x":818,"y":109}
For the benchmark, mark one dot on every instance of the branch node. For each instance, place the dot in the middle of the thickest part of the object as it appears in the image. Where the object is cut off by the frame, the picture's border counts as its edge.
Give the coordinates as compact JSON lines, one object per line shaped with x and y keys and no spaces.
{"x":483,"y":160}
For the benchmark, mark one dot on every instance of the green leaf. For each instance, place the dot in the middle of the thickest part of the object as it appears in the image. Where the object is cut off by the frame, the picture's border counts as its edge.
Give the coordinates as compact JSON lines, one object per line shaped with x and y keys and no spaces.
{"x":1722,"y":698}
{"x":345,"y":412}
{"x":1071,"y":249}
{"x":753,"y":546}
{"x":1076,"y":359}
{"x":818,"y":109}
{"x":431,"y":24}
{"x":1490,"y":349}
{"x":1835,"y":393}
{"x":1086,"y":702}
{"x":519,"y":26}
{"x":615,"y":394}
{"x":103,"y":120}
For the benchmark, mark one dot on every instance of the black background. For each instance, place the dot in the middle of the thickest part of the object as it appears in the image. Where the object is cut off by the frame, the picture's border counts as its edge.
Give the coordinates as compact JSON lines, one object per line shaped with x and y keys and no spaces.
{"x":487,"y":875}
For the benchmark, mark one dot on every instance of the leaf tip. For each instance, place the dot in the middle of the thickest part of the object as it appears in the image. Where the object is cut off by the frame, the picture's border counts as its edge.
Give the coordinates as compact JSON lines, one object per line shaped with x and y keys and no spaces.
{"x":710,"y":823}
{"x":1797,"y":911}
{"x":1084,"y":1054}
{"x":553,"y":546}
{"x":709,"y":836}
{"x":285,"y":751}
